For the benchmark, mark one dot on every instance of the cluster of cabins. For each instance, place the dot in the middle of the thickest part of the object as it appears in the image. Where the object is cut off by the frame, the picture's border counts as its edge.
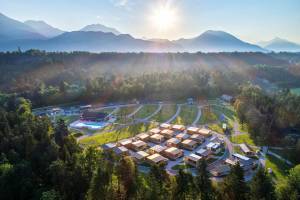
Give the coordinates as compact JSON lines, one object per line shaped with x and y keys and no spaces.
{"x":164,"y":143}
{"x":245,"y":162}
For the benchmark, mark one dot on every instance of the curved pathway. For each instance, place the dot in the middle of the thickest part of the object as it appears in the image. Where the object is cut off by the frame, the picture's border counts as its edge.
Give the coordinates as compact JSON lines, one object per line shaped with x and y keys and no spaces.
{"x":175,"y":115}
{"x":135,"y":111}
{"x":195,"y":122}
{"x":154,"y":113}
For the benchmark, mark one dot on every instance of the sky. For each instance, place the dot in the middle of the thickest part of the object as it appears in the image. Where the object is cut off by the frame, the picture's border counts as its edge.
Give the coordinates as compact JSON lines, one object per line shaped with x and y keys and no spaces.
{"x":250,"y":20}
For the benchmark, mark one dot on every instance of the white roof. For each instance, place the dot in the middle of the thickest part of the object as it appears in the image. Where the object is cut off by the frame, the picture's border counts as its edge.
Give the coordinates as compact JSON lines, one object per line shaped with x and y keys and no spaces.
{"x":245,"y":148}
{"x":165,"y":125}
{"x":178,"y":126}
{"x":194,"y":157}
{"x":173,"y":150}
{"x":240,"y":156}
{"x":157,"y":158}
{"x":204,"y":131}
{"x":210,"y":145}
{"x":193,"y":129}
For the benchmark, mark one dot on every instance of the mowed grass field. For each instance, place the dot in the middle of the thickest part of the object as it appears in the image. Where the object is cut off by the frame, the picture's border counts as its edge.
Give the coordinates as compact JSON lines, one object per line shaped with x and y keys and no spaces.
{"x":116,"y":135}
{"x":187,"y":115}
{"x":166,"y":112}
{"x":145,"y":111}
{"x":279,"y":167}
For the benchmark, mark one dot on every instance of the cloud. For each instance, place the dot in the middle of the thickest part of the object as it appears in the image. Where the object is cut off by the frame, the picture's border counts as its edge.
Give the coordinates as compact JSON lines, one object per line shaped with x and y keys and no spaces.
{"x":120,"y":3}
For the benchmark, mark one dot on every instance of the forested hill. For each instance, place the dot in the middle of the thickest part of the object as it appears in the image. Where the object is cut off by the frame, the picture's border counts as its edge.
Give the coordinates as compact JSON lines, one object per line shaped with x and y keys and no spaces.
{"x":137,"y":75}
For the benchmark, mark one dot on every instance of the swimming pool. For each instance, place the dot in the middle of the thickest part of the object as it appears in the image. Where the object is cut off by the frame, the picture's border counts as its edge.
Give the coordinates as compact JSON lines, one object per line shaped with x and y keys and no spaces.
{"x":88,"y":124}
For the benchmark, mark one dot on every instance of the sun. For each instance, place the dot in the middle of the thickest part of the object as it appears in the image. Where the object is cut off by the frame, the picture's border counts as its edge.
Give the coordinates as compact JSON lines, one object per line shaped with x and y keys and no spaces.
{"x":164,"y":18}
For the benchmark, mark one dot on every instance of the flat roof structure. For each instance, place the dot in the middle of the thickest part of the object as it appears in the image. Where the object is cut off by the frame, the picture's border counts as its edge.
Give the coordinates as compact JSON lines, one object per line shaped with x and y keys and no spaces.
{"x":182,"y":136}
{"x":245,"y":148}
{"x":140,"y":155}
{"x":120,"y":150}
{"x":189,"y":144}
{"x":173,"y":142}
{"x":157,"y":149}
{"x":213,"y":146}
{"x":143,"y":136}
{"x":154,"y":131}
{"x":197,"y":137}
{"x":167,"y":133}
{"x":192,"y":159}
{"x":125,"y":142}
{"x":108,"y":146}
{"x":156,"y":138}
{"x":192,"y":130}
{"x":204,"y":152}
{"x":156,"y":159}
{"x":165,"y":126}
{"x":173,"y":153}
{"x":241,"y":157}
{"x":204,"y":131}
{"x":138,"y":145}
{"x":173,"y":150}
{"x":178,"y":127}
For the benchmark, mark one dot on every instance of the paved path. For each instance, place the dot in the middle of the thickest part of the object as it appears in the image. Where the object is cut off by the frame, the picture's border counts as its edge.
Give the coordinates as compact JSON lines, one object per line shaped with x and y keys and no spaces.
{"x":280,"y":157}
{"x":175,"y":115}
{"x":114,"y":111}
{"x":198,"y":116}
{"x":154,"y":113}
{"x":135,"y":111}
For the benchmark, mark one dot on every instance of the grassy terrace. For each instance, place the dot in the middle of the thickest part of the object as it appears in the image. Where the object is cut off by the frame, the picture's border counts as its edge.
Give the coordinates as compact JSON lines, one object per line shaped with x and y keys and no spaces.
{"x":187,"y":115}
{"x":166,"y":112}
{"x":145,"y":111}
{"x":113,"y":136}
{"x":123,"y":112}
{"x":279,"y":168}
{"x":243,"y":138}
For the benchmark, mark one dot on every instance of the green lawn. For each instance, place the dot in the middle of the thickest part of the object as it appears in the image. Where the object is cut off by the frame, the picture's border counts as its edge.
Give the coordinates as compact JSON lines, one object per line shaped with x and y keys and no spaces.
{"x":243,"y":138}
{"x":216,"y":127}
{"x":208,"y":116}
{"x":113,"y":136}
{"x":279,"y":168}
{"x":166,"y":112}
{"x":145,"y":111}
{"x":187,"y":115}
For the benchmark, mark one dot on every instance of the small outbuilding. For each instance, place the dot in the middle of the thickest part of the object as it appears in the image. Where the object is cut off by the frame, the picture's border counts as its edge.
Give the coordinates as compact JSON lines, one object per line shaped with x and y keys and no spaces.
{"x":138,"y":145}
{"x":157,"y":149}
{"x":140,"y":156}
{"x":154,"y":131}
{"x":198,"y":138}
{"x":126,"y":143}
{"x":205,"y":153}
{"x":182,"y":136}
{"x":165,"y":126}
{"x":205,"y":132}
{"x":143,"y":136}
{"x":192,"y":130}
{"x":178,"y":127}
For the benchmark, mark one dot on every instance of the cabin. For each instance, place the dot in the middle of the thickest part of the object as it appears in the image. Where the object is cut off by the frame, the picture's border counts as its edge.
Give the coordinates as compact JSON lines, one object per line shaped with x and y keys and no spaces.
{"x":205,"y":132}
{"x":167,"y":133}
{"x":205,"y":153}
{"x":178,"y":127}
{"x":173,"y":142}
{"x":109,"y":146}
{"x":193,"y":160}
{"x":165,"y":126}
{"x":157,"y":159}
{"x":197,"y":138}
{"x":157,"y":138}
{"x":140,"y":156}
{"x":214,"y":147}
{"x":182,"y":136}
{"x":246,"y":149}
{"x":245,"y":162}
{"x":220,"y":170}
{"x":173,"y":153}
{"x":143,"y":136}
{"x":189,"y":144}
{"x":125,"y":142}
{"x":138,"y":145}
{"x":154,"y":131}
{"x":192,"y":130}
{"x":157,"y":149}
{"x":121,"y":151}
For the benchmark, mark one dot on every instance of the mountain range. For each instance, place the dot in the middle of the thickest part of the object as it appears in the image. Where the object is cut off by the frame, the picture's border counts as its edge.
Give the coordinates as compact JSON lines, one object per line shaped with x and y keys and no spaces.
{"x":99,"y":38}
{"x":278,"y":44}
